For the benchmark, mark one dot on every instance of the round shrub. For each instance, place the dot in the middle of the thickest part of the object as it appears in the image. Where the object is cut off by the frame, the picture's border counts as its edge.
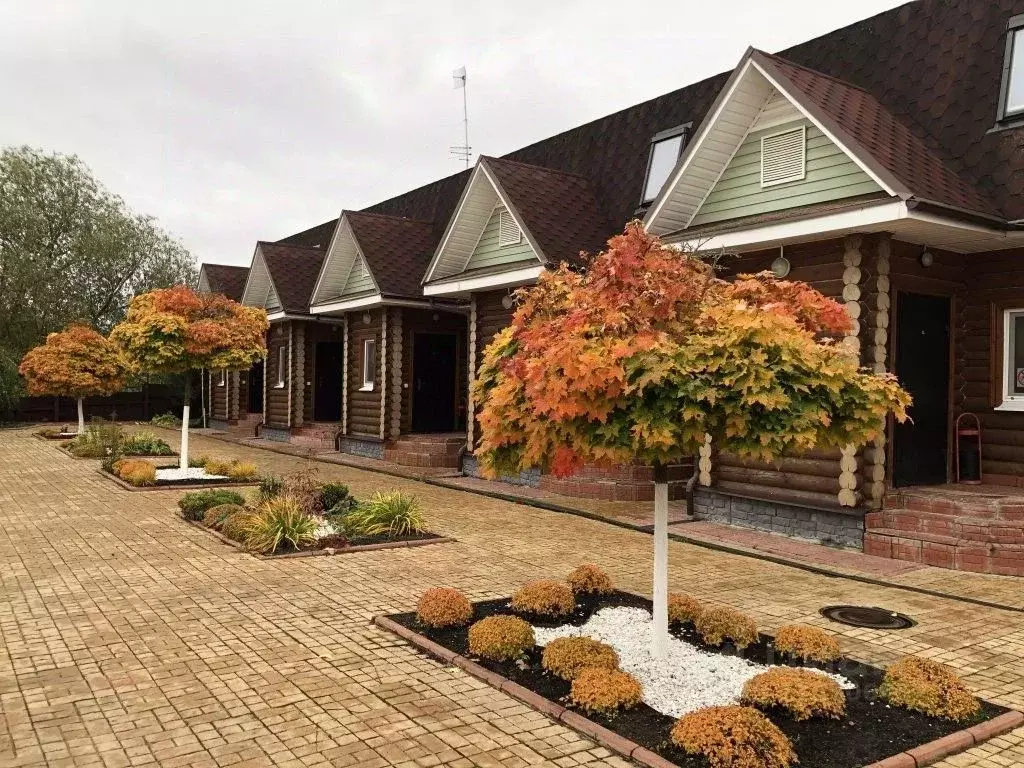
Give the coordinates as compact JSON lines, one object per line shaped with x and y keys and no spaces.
{"x":194,"y":505}
{"x":927,"y":686}
{"x":500,"y":638}
{"x":683,"y":609}
{"x":566,"y":657}
{"x":588,"y":579}
{"x":716,"y":625}
{"x":215,"y":516}
{"x":544,"y":598}
{"x":279,"y":524}
{"x":136,"y":472}
{"x":605,"y":691}
{"x":807,"y":643}
{"x":235,"y":525}
{"x":444,"y":607}
{"x":733,"y":737}
{"x":804,"y":693}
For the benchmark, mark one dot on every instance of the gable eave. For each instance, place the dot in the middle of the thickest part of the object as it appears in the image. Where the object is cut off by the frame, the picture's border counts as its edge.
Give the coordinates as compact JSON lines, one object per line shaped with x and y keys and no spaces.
{"x":258,"y":266}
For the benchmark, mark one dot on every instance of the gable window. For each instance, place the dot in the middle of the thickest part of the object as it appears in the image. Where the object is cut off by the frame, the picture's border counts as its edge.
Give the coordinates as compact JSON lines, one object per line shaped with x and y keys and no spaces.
{"x":508,"y":231}
{"x":784,"y":157}
{"x":665,"y":150}
{"x":282,"y":364}
{"x":1011,"y":98}
{"x":369,"y":365}
{"x":1013,"y":360}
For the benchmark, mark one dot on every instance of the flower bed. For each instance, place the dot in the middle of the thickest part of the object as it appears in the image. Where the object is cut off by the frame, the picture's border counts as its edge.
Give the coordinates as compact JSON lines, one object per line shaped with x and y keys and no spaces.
{"x":699,"y":677}
{"x":138,"y":474}
{"x":55,"y":434}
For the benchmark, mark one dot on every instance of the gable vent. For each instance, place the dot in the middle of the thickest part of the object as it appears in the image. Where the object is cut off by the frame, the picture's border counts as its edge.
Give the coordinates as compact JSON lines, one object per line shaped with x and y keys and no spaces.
{"x":784,"y":157}
{"x":508,"y":231}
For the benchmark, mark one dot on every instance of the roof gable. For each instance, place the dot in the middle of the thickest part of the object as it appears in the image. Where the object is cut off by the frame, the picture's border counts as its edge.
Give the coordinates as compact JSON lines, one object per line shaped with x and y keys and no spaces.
{"x":259,"y":288}
{"x":223,"y":278}
{"x":282,"y":276}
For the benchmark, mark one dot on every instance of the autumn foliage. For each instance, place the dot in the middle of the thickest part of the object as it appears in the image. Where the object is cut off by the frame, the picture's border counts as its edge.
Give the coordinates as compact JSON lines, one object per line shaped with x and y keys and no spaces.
{"x":176,"y":329}
{"x":76,"y":362}
{"x":648,"y":350}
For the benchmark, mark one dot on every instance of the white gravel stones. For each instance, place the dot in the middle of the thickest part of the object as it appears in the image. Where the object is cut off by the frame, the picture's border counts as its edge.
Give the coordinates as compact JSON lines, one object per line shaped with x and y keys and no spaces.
{"x":192,"y":473}
{"x":686,"y":680}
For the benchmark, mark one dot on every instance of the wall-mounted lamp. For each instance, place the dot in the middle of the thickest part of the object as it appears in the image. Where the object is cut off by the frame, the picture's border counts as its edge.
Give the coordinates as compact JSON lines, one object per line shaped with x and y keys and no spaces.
{"x":366,"y":318}
{"x":927,"y":258}
{"x":507,"y":301}
{"x":781,"y":266}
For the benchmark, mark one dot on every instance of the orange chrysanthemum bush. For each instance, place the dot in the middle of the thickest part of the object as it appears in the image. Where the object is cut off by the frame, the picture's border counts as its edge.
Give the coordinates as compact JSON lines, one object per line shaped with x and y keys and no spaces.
{"x":500,"y":638}
{"x":589,"y":579}
{"x":136,"y":472}
{"x":605,"y":691}
{"x":566,"y":657}
{"x":544,"y":598}
{"x":804,"y":693}
{"x":733,"y":737}
{"x":928,"y":686}
{"x":647,"y":351}
{"x":444,"y":607}
{"x":683,"y":609}
{"x":807,"y":643}
{"x":716,"y":625}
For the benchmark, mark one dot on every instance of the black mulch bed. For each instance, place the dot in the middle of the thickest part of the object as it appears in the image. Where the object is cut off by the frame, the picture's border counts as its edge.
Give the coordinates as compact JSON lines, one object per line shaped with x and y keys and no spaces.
{"x":871,"y":731}
{"x":340,"y":541}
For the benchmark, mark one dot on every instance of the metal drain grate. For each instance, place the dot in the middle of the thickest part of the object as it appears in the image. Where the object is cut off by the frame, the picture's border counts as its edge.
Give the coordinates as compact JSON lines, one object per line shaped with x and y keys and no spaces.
{"x":869,"y":618}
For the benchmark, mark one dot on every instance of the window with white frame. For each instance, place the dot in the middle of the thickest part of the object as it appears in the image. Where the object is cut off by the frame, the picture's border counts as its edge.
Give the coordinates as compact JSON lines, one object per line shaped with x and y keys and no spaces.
{"x":282,"y":366}
{"x":369,"y":365}
{"x":222,"y":380}
{"x":1013,"y":360}
{"x":664,"y":153}
{"x":1011,"y":97}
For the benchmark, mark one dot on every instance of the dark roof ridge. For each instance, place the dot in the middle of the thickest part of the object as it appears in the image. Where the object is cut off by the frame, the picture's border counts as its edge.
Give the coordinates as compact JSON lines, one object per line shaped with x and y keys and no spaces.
{"x":290,"y":246}
{"x":538,"y":167}
{"x":391,"y":216}
{"x":818,"y":72}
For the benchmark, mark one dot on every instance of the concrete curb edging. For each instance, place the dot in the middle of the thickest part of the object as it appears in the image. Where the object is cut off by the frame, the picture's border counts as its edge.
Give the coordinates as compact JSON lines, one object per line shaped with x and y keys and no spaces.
{"x":320,"y":552}
{"x":64,"y":450}
{"x":919,"y":756}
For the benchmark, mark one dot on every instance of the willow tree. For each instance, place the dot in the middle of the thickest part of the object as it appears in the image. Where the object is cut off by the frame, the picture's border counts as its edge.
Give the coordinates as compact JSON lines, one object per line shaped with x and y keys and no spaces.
{"x":176,"y":330}
{"x":77,"y":362}
{"x":647,"y":352}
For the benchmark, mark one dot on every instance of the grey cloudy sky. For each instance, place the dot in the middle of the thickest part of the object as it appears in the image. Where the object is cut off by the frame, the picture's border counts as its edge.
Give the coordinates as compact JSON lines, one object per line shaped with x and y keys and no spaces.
{"x":235,"y":121}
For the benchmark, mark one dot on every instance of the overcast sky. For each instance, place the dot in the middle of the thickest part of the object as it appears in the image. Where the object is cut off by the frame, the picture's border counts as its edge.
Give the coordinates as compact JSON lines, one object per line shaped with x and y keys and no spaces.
{"x":237,"y":121}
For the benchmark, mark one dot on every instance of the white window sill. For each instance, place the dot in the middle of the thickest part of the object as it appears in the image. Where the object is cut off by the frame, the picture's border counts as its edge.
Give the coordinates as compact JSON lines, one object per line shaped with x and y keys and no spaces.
{"x":279,"y":386}
{"x":1011,"y":405}
{"x":366,"y":388}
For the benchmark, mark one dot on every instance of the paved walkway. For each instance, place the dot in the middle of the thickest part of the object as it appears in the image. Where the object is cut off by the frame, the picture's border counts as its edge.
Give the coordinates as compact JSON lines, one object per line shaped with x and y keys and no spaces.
{"x":130,"y":638}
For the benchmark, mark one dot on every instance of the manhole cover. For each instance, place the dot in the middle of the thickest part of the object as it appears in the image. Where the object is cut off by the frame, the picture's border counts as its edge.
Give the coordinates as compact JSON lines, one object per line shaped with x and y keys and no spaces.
{"x":870,"y":618}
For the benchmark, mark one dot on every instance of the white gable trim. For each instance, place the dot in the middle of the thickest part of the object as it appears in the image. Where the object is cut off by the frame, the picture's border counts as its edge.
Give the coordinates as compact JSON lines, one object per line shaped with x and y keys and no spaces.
{"x":462,"y":286}
{"x":204,"y":281}
{"x":339,"y":263}
{"x":259,"y":288}
{"x":447,"y":248}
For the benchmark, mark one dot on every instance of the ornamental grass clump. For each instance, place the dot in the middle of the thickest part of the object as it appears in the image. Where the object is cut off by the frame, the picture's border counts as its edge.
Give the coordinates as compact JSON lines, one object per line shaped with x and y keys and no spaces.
{"x":589,"y":579}
{"x":544,"y":598}
{"x":444,"y":607}
{"x":807,"y":643}
{"x":683,"y":609}
{"x":803,"y":693}
{"x":391,"y":514}
{"x":137,"y":472}
{"x":215,"y":516}
{"x":733,"y":737}
{"x":929,"y":687}
{"x":279,"y":524}
{"x":500,"y":638}
{"x":242,"y":470}
{"x":716,"y":625}
{"x":566,"y":657}
{"x":605,"y":691}
{"x":145,"y":444}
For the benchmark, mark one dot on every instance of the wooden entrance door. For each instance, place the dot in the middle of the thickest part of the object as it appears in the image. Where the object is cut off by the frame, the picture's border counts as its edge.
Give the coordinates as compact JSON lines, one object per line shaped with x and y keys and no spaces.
{"x":921,"y":445}
{"x":434,"y":382}
{"x":327,"y":368}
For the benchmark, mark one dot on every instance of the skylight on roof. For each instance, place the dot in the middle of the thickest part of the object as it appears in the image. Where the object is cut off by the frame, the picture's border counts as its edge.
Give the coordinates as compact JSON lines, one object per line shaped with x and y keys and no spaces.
{"x":665,"y":150}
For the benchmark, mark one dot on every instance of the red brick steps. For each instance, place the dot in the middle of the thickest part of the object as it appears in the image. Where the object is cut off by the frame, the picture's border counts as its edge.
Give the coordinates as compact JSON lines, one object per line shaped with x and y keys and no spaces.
{"x":432,"y":451}
{"x":625,"y":482}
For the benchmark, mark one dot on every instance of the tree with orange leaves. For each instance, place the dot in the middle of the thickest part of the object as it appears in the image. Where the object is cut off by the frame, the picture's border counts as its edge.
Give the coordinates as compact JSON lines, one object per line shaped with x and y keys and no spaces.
{"x":77,"y":362}
{"x":647,"y":352}
{"x":176,"y":330}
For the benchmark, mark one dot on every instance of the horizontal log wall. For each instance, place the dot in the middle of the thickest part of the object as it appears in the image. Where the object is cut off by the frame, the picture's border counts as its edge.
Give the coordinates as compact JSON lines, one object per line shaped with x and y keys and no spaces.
{"x":488,"y":317}
{"x":363,"y":407}
{"x":218,"y":396}
{"x":277,"y":397}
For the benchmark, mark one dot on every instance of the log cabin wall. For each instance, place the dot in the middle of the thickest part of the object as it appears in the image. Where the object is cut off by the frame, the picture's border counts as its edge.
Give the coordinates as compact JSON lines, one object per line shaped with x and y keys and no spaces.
{"x":994,"y":282}
{"x":243,"y":391}
{"x":414,"y":321}
{"x":364,"y":407}
{"x":218,"y":397}
{"x":488,"y":316}
{"x":277,"y":398}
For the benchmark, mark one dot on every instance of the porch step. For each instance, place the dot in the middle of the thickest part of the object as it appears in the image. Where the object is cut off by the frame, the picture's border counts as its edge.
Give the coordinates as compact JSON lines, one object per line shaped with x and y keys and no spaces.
{"x":318,"y":435}
{"x":429,"y":451}
{"x":946,"y":551}
{"x":965,"y":528}
{"x":958,"y":503}
{"x":625,"y":482}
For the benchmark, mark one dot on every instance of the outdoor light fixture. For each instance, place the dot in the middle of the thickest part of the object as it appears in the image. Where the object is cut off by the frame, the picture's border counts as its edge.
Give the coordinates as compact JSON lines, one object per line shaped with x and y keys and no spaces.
{"x":781,"y":266}
{"x":366,"y":318}
{"x":927,"y":259}
{"x":507,"y":301}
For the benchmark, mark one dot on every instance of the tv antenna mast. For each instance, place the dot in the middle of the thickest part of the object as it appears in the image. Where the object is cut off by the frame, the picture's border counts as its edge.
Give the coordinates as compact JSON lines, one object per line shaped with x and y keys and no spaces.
{"x":463,"y":151}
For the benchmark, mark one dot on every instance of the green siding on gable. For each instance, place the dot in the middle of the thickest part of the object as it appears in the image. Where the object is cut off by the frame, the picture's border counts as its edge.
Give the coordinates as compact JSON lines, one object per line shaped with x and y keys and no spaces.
{"x":488,"y":254}
{"x":359,"y":280}
{"x":831,"y":175}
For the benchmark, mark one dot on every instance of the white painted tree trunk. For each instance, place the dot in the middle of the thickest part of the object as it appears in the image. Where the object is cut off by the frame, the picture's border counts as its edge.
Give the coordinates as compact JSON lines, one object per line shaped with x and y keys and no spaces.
{"x":660,"y":645}
{"x":183,"y":463}
{"x":81,"y":417}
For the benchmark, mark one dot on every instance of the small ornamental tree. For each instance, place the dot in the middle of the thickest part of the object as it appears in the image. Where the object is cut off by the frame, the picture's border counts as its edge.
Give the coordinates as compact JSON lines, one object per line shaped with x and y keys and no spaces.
{"x":77,"y":362}
{"x":176,"y":330}
{"x":647,"y":352}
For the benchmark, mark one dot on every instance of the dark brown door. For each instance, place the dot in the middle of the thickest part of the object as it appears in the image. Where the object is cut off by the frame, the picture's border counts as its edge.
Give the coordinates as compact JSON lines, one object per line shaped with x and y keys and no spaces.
{"x":327,"y":395}
{"x":255,"y":404}
{"x":434,"y":382}
{"x":921,"y":445}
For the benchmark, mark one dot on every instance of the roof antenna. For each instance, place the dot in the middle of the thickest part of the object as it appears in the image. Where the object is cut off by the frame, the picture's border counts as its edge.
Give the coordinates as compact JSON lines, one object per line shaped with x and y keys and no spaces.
{"x":464,"y":151}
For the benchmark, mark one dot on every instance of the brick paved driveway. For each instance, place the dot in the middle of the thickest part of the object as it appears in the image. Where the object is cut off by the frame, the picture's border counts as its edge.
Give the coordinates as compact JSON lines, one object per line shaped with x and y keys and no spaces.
{"x":130,"y":638}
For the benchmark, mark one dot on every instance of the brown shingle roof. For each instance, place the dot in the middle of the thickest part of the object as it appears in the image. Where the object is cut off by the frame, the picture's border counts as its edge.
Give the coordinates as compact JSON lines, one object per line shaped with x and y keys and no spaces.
{"x":293,"y":270}
{"x":226,"y":279}
{"x":397,"y":250}
{"x":560,"y":210}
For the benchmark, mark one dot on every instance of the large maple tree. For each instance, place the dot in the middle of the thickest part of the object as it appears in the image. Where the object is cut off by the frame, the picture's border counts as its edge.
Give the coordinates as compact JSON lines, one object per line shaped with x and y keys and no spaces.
{"x":77,"y":362}
{"x":176,"y":330}
{"x":647,"y":351}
